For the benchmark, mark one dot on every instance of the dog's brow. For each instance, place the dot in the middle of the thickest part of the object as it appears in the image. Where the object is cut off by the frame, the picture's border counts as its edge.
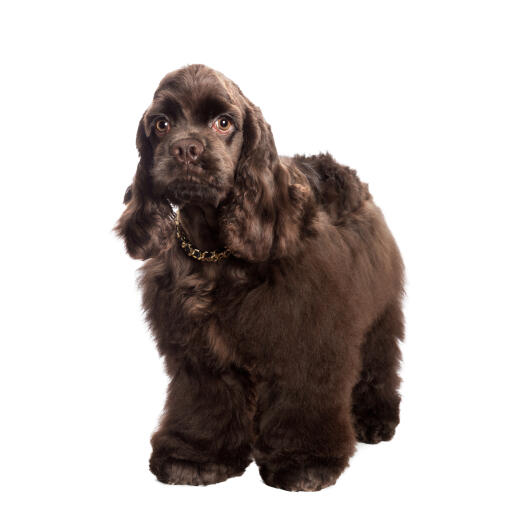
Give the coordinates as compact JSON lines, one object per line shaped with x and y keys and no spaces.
{"x":213,"y":105}
{"x":165,"y":103}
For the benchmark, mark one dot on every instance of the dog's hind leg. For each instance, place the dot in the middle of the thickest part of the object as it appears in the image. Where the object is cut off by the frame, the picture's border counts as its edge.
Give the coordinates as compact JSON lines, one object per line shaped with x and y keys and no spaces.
{"x":375,"y":398}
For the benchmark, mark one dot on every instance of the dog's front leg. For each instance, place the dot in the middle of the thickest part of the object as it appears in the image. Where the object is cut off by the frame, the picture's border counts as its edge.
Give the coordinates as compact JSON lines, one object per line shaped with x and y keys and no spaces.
{"x":205,"y":433}
{"x":304,"y":431}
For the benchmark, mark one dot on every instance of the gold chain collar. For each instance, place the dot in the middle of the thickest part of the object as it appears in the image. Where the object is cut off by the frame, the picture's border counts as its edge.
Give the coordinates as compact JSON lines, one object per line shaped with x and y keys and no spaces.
{"x":208,"y":256}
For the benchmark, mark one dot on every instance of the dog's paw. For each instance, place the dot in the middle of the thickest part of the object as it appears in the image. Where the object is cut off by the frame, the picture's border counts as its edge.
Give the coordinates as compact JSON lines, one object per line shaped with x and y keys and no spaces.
{"x":309,"y":477}
{"x":173,"y":471}
{"x":373,"y":431}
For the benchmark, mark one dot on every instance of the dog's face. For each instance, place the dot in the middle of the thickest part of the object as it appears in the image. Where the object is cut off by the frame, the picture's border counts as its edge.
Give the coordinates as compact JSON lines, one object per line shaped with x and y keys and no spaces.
{"x":203,"y":142}
{"x":195,"y":129}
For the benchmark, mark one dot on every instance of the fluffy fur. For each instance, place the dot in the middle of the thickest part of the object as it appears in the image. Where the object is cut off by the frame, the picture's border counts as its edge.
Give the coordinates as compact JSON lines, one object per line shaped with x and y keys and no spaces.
{"x":287,"y":351}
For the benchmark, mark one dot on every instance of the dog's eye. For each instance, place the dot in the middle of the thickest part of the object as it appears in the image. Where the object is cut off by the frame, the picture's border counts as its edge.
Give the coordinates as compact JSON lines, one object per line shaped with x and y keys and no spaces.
{"x":162,"y":126}
{"x":222,"y":125}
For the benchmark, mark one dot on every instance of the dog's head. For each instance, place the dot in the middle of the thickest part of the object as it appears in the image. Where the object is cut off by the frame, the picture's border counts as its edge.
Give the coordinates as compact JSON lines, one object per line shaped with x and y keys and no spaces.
{"x":202,"y":141}
{"x":192,"y":136}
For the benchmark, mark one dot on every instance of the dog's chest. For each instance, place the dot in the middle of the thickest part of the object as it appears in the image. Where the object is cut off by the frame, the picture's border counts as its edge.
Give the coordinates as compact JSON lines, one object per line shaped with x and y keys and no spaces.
{"x":194,"y":305}
{"x":211,"y":299}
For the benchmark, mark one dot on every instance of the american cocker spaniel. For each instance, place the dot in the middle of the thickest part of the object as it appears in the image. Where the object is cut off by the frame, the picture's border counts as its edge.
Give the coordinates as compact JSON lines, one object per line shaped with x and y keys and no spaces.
{"x":273,"y":288}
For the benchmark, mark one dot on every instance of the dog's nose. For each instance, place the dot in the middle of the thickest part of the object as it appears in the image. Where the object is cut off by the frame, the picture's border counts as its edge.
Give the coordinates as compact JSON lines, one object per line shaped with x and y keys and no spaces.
{"x":187,"y":150}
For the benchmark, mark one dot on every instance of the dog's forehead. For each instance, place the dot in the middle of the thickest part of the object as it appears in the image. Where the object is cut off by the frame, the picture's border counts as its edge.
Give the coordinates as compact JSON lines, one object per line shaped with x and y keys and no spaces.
{"x":197,"y":85}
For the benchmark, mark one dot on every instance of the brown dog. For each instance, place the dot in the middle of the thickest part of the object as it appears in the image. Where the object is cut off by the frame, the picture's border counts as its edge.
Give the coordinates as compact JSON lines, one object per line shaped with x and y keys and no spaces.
{"x":274,"y":295}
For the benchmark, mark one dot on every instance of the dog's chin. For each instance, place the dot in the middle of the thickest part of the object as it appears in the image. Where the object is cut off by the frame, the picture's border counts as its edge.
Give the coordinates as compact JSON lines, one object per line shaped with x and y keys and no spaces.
{"x":183,"y":192}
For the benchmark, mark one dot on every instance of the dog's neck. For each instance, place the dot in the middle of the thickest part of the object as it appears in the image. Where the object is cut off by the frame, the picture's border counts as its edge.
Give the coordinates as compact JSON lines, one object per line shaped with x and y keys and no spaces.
{"x":200,"y":223}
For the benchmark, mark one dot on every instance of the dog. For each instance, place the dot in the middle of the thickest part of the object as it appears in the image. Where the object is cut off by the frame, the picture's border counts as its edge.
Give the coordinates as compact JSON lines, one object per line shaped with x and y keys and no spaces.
{"x":272,"y":286}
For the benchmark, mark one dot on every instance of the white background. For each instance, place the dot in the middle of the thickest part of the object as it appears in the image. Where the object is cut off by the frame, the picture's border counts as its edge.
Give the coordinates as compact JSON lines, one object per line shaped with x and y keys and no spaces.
{"x":414,"y":95}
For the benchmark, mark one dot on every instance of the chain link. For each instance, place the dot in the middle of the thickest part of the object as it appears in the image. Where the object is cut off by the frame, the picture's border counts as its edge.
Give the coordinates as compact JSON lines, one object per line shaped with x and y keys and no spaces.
{"x":208,"y":256}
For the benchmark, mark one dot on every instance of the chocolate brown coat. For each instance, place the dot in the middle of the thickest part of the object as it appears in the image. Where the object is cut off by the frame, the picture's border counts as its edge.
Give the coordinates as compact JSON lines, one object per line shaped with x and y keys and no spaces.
{"x":287,"y":351}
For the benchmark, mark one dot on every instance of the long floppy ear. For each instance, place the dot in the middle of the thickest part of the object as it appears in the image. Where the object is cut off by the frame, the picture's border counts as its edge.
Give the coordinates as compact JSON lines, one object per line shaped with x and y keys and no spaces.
{"x":270,"y":203}
{"x":145,"y":225}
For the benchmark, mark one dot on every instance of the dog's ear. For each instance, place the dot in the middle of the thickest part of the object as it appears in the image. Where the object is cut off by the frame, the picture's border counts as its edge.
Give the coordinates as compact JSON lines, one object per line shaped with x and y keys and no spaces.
{"x":263,"y":217}
{"x":145,"y":224}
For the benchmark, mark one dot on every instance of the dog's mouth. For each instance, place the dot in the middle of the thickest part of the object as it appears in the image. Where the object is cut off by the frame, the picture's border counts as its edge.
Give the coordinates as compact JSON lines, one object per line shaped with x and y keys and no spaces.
{"x":189,"y":191}
{"x":188,"y":170}
{"x":197,"y":182}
